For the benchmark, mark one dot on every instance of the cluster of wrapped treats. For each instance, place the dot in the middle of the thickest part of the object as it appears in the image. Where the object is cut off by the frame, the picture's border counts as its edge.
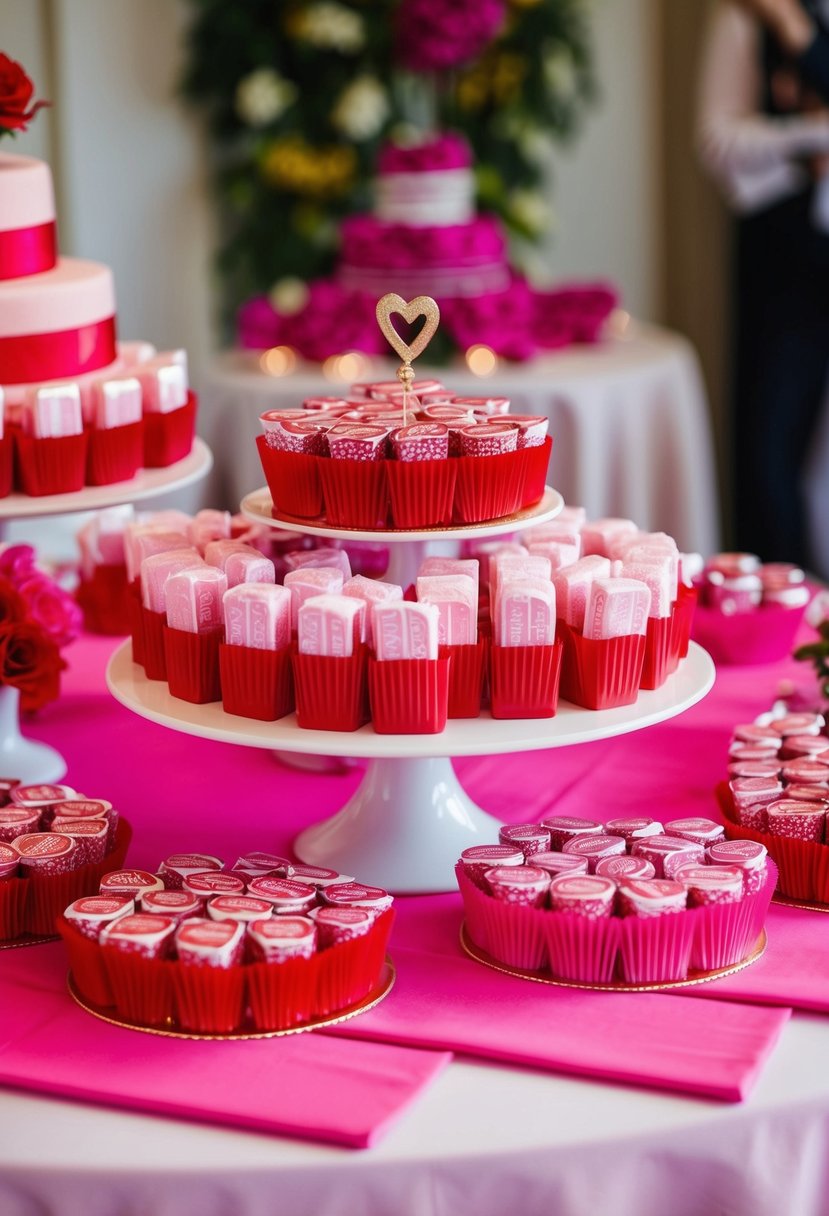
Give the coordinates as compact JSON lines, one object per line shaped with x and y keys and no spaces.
{"x":266,"y":909}
{"x":627,"y":867}
{"x":734,"y":583}
{"x":51,"y":830}
{"x":778,"y":775}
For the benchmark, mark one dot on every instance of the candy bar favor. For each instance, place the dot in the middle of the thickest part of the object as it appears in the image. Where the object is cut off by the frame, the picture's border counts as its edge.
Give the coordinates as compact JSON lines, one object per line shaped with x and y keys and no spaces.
{"x":572,"y":585}
{"x":370,"y":591}
{"x":330,"y":625}
{"x":456,"y":600}
{"x":257,"y":616}
{"x":194,"y":599}
{"x":616,"y":607}
{"x":91,"y":914}
{"x":209,"y":943}
{"x":279,"y":939}
{"x":308,"y":581}
{"x":403,"y":630}
{"x":176,"y":904}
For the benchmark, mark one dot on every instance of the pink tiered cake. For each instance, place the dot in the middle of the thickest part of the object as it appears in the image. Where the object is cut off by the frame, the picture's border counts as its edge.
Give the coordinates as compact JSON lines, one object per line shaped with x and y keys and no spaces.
{"x":78,"y":407}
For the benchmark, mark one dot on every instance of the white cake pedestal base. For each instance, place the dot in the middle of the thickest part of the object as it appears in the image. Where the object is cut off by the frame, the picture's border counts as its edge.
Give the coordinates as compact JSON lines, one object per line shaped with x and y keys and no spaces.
{"x":33,"y":763}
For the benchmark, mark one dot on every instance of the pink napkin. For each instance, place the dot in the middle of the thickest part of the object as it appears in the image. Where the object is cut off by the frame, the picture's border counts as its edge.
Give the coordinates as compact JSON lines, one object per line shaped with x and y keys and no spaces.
{"x":443,"y":999}
{"x":306,"y":1085}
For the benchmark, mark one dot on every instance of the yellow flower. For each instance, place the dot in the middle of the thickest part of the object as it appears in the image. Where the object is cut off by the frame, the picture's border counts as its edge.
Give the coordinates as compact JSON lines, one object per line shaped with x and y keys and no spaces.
{"x":293,"y":165}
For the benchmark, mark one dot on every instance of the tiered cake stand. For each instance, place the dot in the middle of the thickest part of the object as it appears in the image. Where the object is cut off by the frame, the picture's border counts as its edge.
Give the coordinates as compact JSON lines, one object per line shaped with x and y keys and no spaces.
{"x":25,"y":758}
{"x":409,"y":820}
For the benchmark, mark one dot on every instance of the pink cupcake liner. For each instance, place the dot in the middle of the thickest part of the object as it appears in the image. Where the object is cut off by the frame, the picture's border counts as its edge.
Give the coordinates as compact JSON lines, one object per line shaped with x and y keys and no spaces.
{"x":141,"y":988}
{"x":524,"y":680}
{"x":600,"y":674}
{"x":489,"y":487}
{"x":467,"y":673}
{"x":293,"y":479}
{"x":114,"y":454}
{"x":86,"y":964}
{"x":169,"y":437}
{"x":656,"y":664}
{"x":580,"y":949}
{"x":331,"y":693}
{"x":192,"y":662}
{"x":208,"y":1000}
{"x":347,"y":972}
{"x":727,"y":933}
{"x":537,"y":462}
{"x":421,"y":491}
{"x":355,"y":491}
{"x":408,"y":696}
{"x":656,"y":949}
{"x":51,"y":466}
{"x":514,"y":935}
{"x":256,"y":683}
{"x":747,"y":639}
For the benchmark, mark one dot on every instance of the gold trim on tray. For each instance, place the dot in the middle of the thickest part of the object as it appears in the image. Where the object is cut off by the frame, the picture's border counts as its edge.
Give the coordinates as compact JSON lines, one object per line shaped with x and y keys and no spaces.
{"x":34,"y":940}
{"x":785,"y":901}
{"x":541,"y":977}
{"x":378,"y":993}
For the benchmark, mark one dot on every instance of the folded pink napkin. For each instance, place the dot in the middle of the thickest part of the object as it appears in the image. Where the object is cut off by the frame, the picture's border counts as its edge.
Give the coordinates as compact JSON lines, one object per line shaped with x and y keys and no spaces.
{"x":305,"y":1085}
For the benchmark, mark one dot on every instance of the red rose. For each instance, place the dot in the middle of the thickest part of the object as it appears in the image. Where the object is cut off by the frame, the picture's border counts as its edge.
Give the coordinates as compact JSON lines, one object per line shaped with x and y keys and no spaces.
{"x":16,"y":91}
{"x":12,"y":607}
{"x":30,"y":662}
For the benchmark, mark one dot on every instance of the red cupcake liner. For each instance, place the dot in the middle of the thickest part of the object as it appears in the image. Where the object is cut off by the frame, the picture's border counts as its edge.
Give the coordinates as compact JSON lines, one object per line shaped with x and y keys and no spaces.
{"x":151,"y":633}
{"x":6,"y":465}
{"x":106,"y":601}
{"x":580,"y":949}
{"x":537,"y":462}
{"x":489,"y":487}
{"x":421,"y":491}
{"x":192,"y":661}
{"x":136,"y":621}
{"x":467,"y":673}
{"x":293,"y":479}
{"x":49,"y":895}
{"x":746,"y":639}
{"x":50,"y":466}
{"x":408,"y":696}
{"x":281,"y":995}
{"x":142,"y":989}
{"x":803,"y":866}
{"x":514,"y":935}
{"x":356,"y":493}
{"x":656,"y":949}
{"x":524,"y":680}
{"x":256,"y":683}
{"x":331,"y":693}
{"x":346,"y":973}
{"x":682,"y":618}
{"x":656,"y":664}
{"x":208,"y":1000}
{"x":14,"y":901}
{"x":169,"y":437}
{"x":114,"y":453}
{"x":600,"y":674}
{"x":86,"y":963}
{"x":727,"y":933}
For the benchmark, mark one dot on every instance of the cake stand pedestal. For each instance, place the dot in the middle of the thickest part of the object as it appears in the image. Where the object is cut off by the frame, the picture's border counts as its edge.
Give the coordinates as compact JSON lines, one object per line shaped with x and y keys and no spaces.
{"x":408,"y":822}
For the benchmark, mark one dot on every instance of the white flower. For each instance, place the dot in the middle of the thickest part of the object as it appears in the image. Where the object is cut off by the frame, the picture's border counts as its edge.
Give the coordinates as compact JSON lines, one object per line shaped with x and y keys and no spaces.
{"x":262,"y":96}
{"x":531,"y":210}
{"x":288,"y":296}
{"x":560,"y":70}
{"x":332,"y":26}
{"x":361,"y":108}
{"x":818,"y":610}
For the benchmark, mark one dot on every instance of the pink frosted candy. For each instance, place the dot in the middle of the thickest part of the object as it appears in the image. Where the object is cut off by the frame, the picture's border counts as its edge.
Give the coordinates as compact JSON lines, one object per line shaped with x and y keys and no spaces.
{"x":279,"y":939}
{"x":701,"y":831}
{"x":524,"y":614}
{"x":335,"y":925}
{"x":326,"y":556}
{"x":358,"y":441}
{"x":324,"y":403}
{"x":506,"y":567}
{"x":656,"y":848}
{"x":164,"y":385}
{"x":525,"y":885}
{"x":558,"y":553}
{"x":421,"y":441}
{"x":194,"y":599}
{"x":491,"y":406}
{"x":711,"y":884}
{"x":806,"y":771}
{"x":616,"y":607}
{"x":573,"y":584}
{"x":308,"y":581}
{"x":560,"y":863}
{"x":216,"y":552}
{"x":115,"y":401}
{"x":749,"y":855}
{"x":739,"y":767}
{"x":157,"y":570}
{"x":330,"y":625}
{"x":587,"y":895}
{"x":209,"y":943}
{"x":457,"y":604}
{"x":532,"y":429}
{"x":656,"y":575}
{"x":257,"y":615}
{"x":53,"y":412}
{"x":528,"y":837}
{"x":371,"y":591}
{"x":379,"y":390}
{"x":621,"y":867}
{"x":631,"y":829}
{"x":468,"y":566}
{"x":594,"y":848}
{"x":757,"y":736}
{"x":564,"y":828}
{"x":572,"y":517}
{"x":148,"y":540}
{"x":797,"y":820}
{"x":749,"y":791}
{"x":247,"y":565}
{"x":651,"y":897}
{"x":92,"y":913}
{"x":479,"y":858}
{"x":807,"y":793}
{"x":598,"y":535}
{"x":488,"y":439}
{"x":798,"y":724}
{"x":208,"y":525}
{"x":138,"y":933}
{"x":485,"y":550}
{"x":794,"y":747}
{"x":403,"y":630}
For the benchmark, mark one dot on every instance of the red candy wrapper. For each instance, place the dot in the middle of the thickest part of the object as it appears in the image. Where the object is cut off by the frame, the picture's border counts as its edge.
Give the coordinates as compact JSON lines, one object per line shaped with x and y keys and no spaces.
{"x":151,"y":633}
{"x":136,"y":621}
{"x":746,"y":639}
{"x":331,"y":693}
{"x":169,"y":437}
{"x":50,"y":466}
{"x":422,"y":492}
{"x":682,"y":619}
{"x":6,"y":465}
{"x":656,"y":664}
{"x":208,"y":1000}
{"x":409,"y":696}
{"x":14,"y":902}
{"x":537,"y":461}
{"x":293,"y":479}
{"x":489,"y":487}
{"x":86,"y":962}
{"x":524,"y":680}
{"x":48,"y":896}
{"x":114,"y":453}
{"x":106,"y":601}
{"x":355,"y":492}
{"x":600,"y":674}
{"x":142,"y":988}
{"x":192,"y":661}
{"x":282,"y":995}
{"x":256,"y":683}
{"x":467,"y":672}
{"x":347,"y":972}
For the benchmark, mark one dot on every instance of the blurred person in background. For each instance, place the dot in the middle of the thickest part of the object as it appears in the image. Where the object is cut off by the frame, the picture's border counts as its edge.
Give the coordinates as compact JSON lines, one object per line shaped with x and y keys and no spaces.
{"x":763,"y":134}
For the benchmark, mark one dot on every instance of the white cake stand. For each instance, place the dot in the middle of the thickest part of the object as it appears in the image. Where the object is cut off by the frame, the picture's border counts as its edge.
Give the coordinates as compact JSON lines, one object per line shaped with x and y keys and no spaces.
{"x":410,"y":819}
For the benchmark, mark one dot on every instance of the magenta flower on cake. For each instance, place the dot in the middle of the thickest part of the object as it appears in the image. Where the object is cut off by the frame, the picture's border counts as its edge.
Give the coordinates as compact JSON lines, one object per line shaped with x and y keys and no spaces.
{"x":436,"y":35}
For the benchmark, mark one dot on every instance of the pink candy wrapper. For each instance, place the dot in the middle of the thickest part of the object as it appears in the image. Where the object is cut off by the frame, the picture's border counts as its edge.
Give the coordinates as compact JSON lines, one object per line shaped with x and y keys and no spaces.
{"x":192,"y":661}
{"x":256,"y":683}
{"x":293,"y":479}
{"x":421,"y":491}
{"x":656,"y":664}
{"x":169,"y":437}
{"x":50,"y":466}
{"x":726,"y":933}
{"x":524,"y":680}
{"x":409,"y":696}
{"x":514,"y":935}
{"x":655,"y":949}
{"x":746,"y":639}
{"x":489,"y":487}
{"x":803,"y":865}
{"x":580,"y":949}
{"x":331,"y":693}
{"x":355,"y":492}
{"x":114,"y":453}
{"x":600,"y":674}
{"x":467,"y":672}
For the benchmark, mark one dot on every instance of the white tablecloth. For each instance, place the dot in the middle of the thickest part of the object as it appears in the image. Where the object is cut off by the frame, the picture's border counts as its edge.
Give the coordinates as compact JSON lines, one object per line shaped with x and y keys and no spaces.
{"x":629,"y":419}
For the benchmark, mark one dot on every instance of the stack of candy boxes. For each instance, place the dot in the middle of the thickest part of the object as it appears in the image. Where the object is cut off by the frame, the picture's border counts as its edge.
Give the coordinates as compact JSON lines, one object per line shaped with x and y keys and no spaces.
{"x":631,"y":901}
{"x":598,"y":608}
{"x":54,"y":846}
{"x":367,"y":461}
{"x":267,"y":945}
{"x":777,"y":795}
{"x":100,"y":430}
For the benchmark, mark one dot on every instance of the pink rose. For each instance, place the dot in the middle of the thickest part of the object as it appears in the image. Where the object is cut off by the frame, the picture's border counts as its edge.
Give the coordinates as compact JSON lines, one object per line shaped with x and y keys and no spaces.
{"x":50,"y":607}
{"x":16,"y":562}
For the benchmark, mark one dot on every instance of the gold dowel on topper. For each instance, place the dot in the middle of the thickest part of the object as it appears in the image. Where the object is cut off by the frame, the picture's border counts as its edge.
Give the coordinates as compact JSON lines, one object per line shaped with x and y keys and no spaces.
{"x":420,"y":306}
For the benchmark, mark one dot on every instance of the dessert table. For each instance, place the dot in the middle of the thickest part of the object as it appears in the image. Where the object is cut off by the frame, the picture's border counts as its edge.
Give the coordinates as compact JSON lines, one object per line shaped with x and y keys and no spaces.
{"x":629,"y":418}
{"x":483,"y":1132}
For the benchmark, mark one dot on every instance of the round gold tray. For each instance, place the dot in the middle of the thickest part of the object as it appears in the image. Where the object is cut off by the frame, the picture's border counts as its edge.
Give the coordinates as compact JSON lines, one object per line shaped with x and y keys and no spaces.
{"x":544,"y":977}
{"x":34,"y":940}
{"x":378,"y":993}
{"x":808,"y":905}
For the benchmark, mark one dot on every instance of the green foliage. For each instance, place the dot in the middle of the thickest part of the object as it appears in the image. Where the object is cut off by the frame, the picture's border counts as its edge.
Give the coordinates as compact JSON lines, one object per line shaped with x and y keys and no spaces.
{"x":817,"y":653}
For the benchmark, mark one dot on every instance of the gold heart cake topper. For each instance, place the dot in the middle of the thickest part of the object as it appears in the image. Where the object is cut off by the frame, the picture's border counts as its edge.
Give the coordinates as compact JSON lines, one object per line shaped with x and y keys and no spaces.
{"x":420,"y":306}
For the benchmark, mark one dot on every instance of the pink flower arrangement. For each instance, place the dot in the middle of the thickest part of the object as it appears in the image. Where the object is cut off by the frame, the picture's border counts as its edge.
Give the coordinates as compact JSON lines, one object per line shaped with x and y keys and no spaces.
{"x":37,"y":619}
{"x":436,"y":35}
{"x":447,"y":151}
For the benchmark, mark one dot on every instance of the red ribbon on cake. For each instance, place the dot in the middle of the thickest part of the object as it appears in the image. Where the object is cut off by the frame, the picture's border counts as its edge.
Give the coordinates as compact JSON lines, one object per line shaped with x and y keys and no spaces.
{"x":25,"y":358}
{"x":25,"y":251}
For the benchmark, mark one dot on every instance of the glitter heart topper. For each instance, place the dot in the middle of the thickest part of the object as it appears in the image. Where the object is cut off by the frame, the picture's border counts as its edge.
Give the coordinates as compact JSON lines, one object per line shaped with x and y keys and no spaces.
{"x":421,"y":306}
